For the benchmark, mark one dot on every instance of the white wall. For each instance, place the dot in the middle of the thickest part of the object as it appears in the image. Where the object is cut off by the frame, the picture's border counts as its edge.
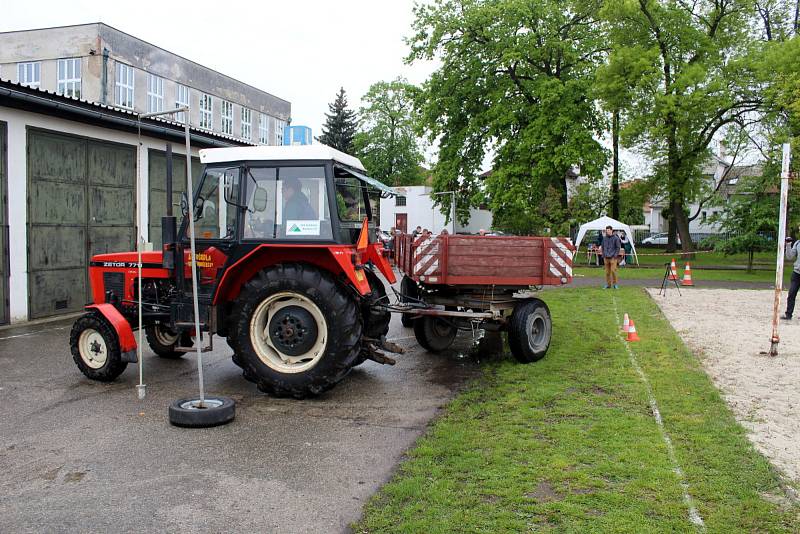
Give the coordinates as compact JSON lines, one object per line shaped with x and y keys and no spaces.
{"x":18,"y":121}
{"x":422,"y":212}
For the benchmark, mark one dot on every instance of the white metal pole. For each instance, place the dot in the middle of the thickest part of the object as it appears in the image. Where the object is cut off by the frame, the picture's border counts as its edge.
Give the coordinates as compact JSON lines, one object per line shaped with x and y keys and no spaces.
{"x":773,"y":350}
{"x":141,"y":388}
{"x":197,"y":333}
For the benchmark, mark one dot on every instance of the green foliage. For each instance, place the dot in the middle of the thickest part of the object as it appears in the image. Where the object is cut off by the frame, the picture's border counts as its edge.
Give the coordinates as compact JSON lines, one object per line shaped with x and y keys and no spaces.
{"x":749,"y":216}
{"x":515,"y":79}
{"x":684,"y":72}
{"x":340,"y":125}
{"x":387,"y":143}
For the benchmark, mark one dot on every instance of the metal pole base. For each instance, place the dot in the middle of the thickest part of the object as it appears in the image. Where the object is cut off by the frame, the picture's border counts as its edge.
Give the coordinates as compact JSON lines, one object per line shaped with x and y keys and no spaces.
{"x":141,"y":391}
{"x":202,"y":413}
{"x":773,"y":348}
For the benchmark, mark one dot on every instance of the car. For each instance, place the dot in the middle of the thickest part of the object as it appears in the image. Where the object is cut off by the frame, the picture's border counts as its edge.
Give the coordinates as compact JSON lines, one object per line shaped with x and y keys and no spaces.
{"x":658,"y":239}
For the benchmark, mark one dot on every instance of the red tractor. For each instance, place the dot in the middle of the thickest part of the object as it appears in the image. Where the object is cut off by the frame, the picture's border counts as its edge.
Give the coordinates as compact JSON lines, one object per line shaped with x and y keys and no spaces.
{"x":286,"y":269}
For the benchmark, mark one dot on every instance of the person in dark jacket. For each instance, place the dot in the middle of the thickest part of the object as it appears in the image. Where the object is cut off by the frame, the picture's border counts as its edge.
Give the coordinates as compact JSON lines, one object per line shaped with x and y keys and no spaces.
{"x":610,"y":248}
{"x":295,"y":203}
{"x":791,"y":253}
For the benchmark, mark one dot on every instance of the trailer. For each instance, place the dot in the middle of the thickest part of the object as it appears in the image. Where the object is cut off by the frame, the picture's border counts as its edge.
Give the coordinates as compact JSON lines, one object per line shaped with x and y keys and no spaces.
{"x":465,"y":282}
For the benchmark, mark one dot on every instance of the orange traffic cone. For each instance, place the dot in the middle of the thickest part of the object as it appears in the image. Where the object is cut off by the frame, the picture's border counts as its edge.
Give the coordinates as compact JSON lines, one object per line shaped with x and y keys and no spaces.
{"x":673,"y":270}
{"x":632,"y":335}
{"x":687,"y":276}
{"x":626,"y":323}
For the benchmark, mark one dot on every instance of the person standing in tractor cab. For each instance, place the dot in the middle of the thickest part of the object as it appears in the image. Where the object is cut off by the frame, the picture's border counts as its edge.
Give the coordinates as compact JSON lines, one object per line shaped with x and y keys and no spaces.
{"x":295,"y":203}
{"x":611,"y":248}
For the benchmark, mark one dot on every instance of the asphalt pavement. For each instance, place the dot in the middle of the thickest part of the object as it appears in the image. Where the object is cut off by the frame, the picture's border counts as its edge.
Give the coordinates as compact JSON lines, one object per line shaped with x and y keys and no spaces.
{"x":83,"y":456}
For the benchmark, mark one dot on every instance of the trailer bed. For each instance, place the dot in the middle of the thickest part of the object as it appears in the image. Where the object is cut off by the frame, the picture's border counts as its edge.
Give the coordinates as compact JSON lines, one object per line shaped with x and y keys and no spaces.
{"x":473,"y":260}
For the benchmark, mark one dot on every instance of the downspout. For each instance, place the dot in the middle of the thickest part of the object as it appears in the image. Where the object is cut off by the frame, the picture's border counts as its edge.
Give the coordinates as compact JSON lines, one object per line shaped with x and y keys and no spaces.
{"x":104,"y":77}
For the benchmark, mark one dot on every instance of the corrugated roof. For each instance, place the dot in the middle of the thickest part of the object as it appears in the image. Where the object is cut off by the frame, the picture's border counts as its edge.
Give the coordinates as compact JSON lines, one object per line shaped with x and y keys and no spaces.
{"x":118,"y":110}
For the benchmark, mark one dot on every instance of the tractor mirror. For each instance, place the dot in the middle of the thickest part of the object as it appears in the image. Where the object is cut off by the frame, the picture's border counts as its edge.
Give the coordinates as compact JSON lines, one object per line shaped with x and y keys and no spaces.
{"x":198,"y":208}
{"x":184,"y":204}
{"x":260,"y":199}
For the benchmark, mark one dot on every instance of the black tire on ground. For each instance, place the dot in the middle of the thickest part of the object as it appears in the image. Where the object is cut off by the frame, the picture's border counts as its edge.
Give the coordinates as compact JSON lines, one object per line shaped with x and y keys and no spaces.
{"x":408,"y":287}
{"x":376,"y":322}
{"x":159,"y":337}
{"x":434,"y":334}
{"x":217,"y":411}
{"x":305,"y":296}
{"x":95,"y":348}
{"x":529,"y":330}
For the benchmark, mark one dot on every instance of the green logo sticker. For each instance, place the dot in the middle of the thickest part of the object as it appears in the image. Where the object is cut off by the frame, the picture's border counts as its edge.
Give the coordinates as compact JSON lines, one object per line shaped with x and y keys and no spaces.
{"x":295,"y":229}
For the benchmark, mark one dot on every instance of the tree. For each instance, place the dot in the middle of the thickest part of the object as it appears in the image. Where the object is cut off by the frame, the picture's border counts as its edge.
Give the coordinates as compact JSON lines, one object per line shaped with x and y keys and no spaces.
{"x":515,"y":81}
{"x":387,"y":143}
{"x":690,"y":70}
{"x":750,"y":216}
{"x":340,"y":125}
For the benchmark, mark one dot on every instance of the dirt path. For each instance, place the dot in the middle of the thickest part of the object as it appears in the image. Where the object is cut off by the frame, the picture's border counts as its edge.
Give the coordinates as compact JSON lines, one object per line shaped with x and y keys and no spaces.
{"x":729,"y":330}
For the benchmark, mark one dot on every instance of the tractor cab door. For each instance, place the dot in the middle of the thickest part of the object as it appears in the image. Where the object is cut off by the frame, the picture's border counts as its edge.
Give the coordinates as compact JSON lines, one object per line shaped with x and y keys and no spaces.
{"x":216,"y":228}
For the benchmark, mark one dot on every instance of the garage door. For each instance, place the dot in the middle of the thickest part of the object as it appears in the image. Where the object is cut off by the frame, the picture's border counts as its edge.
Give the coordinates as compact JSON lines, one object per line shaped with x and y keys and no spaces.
{"x":80,"y":203}
{"x":157,"y":173}
{"x":3,"y":225}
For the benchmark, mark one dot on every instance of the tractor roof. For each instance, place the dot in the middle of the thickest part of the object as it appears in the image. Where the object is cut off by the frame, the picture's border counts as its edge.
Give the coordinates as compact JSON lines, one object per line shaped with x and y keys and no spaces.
{"x":279,"y":153}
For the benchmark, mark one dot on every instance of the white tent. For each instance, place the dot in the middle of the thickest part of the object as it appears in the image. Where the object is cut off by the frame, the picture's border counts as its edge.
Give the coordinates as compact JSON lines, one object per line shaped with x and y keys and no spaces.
{"x":600,"y":224}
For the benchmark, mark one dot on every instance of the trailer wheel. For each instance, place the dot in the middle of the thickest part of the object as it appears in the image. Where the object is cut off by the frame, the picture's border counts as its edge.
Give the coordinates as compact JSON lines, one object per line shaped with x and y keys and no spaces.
{"x":95,"y":348}
{"x":295,"y":332}
{"x":530,"y":330}
{"x":409,"y":288}
{"x":163,"y":341}
{"x":433,"y":333}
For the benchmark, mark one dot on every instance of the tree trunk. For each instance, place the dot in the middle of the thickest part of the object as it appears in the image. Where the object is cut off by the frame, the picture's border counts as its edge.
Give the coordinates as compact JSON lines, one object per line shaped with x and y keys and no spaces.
{"x":750,"y":261}
{"x":797,"y":17}
{"x":615,"y":172}
{"x":672,"y":231}
{"x":682,"y":226}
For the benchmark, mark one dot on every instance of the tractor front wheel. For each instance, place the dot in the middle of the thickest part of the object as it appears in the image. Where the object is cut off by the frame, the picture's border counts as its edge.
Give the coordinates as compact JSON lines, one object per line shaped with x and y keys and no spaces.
{"x":163,"y":341}
{"x":295,"y":331}
{"x":95,"y":348}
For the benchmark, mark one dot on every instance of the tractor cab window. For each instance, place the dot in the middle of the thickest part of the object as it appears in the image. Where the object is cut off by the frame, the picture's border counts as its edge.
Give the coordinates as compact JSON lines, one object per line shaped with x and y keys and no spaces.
{"x":287,"y":203}
{"x":215,"y":218}
{"x":351,"y":204}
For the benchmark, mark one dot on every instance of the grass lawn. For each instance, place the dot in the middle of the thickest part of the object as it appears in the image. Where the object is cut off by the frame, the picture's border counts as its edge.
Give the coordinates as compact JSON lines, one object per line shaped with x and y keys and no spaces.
{"x":569,"y":444}
{"x":698,"y":275}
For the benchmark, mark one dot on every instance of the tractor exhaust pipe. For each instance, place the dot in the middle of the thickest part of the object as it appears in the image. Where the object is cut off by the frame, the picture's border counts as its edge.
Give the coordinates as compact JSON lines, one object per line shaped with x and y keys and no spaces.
{"x":168,"y":223}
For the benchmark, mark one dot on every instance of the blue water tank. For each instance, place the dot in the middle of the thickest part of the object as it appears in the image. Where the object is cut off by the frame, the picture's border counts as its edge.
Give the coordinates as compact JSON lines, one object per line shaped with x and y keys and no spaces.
{"x":296,"y":135}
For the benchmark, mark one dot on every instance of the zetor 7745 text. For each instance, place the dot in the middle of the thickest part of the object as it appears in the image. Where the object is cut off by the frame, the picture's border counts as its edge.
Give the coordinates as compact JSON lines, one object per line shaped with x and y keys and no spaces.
{"x":288,"y":272}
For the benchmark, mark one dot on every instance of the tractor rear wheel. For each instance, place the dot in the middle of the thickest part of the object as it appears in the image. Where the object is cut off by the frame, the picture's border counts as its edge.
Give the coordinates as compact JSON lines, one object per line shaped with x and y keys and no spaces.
{"x":95,"y":348}
{"x":529,"y":330}
{"x":295,"y":331}
{"x":163,"y":341}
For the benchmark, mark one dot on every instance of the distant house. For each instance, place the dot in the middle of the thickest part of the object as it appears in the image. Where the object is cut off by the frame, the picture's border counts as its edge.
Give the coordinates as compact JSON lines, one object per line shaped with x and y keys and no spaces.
{"x":414,"y":206}
{"x":720,"y":175}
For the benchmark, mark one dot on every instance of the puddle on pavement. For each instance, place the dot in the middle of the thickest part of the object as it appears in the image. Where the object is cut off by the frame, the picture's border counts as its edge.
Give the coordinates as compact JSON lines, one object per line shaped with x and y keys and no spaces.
{"x":462,"y":361}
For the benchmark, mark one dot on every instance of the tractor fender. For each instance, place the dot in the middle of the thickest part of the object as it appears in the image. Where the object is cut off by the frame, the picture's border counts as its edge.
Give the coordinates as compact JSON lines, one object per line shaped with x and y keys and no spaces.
{"x":373,"y":254}
{"x":337,"y":259}
{"x":127,"y":342}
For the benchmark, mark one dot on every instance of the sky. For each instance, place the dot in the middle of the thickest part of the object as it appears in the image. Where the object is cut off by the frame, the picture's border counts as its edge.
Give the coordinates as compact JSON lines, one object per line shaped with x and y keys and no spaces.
{"x":301,"y":51}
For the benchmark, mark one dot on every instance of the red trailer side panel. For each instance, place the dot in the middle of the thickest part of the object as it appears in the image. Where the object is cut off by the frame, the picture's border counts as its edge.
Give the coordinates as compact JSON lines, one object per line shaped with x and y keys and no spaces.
{"x":486,"y":260}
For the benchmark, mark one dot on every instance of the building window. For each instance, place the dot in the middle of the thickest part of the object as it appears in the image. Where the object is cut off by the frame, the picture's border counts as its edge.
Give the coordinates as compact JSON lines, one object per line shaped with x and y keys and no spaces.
{"x":263,"y":136}
{"x":400,"y":201}
{"x":69,"y":77}
{"x":206,"y":119}
{"x":247,"y":124}
{"x":155,"y":94}
{"x":181,"y":100}
{"x":227,"y":117}
{"x":703,"y":216}
{"x":279,"y":126}
{"x":124,"y":92}
{"x":30,"y":74}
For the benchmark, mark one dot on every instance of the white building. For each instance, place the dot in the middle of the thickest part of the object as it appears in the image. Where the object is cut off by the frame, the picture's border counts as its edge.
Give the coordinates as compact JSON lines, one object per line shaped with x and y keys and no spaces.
{"x":414,"y":206}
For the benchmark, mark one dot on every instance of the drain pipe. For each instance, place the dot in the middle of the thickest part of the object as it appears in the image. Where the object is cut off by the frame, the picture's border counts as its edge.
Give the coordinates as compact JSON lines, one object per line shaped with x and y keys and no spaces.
{"x":104,"y":77}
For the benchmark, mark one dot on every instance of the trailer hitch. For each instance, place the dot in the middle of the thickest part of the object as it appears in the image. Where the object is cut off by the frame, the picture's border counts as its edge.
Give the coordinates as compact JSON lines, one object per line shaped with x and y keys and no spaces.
{"x":371,"y":350}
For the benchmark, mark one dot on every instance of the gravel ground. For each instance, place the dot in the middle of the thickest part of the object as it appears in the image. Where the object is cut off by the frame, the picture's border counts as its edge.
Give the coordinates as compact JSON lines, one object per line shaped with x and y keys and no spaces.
{"x":730,"y":331}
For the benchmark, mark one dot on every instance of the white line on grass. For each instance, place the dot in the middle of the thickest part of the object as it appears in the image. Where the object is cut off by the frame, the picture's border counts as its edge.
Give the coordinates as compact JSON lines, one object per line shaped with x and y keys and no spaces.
{"x":694,"y":515}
